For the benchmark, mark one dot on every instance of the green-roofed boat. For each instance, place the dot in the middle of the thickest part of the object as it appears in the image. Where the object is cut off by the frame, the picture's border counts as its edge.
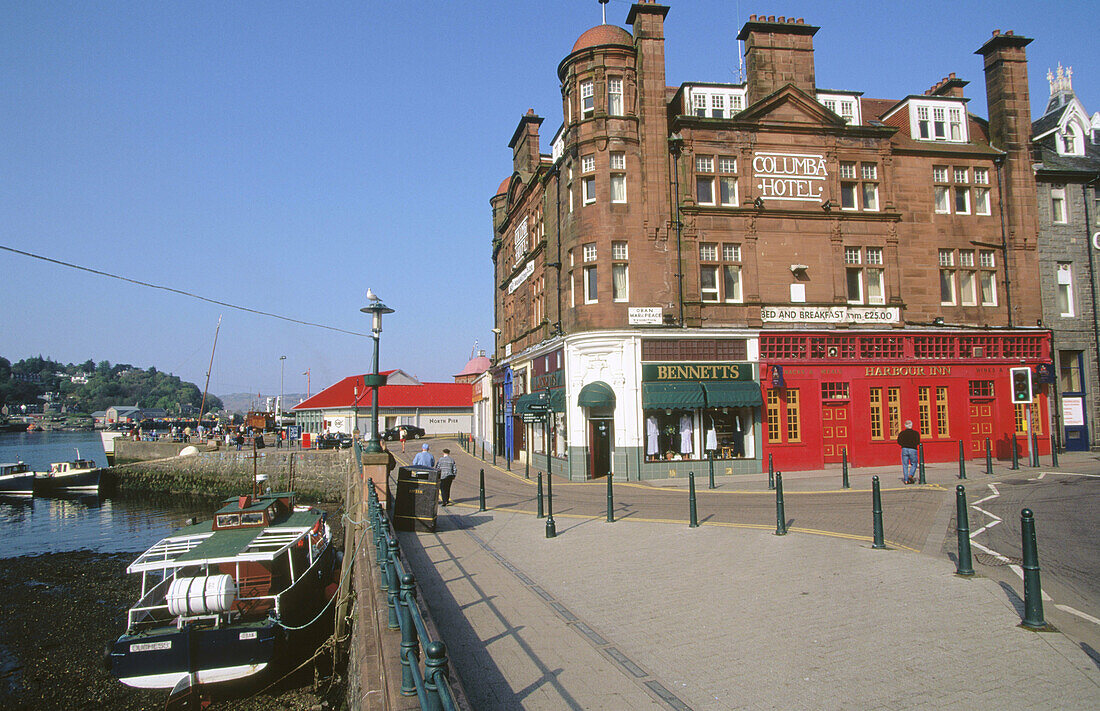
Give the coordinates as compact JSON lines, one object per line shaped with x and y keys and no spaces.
{"x":226,"y":600}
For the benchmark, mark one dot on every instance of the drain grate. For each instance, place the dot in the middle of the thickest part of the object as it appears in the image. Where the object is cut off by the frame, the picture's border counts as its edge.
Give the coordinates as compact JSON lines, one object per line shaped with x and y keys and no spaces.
{"x":996,"y":561}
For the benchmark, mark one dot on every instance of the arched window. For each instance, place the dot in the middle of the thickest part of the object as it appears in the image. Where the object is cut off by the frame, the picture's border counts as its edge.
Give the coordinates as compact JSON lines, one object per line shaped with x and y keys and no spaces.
{"x":1072,"y":145}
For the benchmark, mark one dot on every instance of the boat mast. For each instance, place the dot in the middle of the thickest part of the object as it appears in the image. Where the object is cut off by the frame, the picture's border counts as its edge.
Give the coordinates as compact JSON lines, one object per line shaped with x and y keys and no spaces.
{"x":209,"y":368}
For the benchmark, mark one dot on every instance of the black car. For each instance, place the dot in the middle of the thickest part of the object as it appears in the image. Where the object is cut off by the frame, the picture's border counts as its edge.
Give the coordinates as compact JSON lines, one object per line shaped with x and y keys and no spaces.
{"x":334,"y":440}
{"x":411,"y":432}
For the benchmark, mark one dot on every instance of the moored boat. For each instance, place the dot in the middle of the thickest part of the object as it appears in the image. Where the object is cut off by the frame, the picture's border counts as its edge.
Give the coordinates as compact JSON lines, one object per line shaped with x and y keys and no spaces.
{"x":77,"y":476}
{"x":228,"y":599}
{"x":16,"y":479}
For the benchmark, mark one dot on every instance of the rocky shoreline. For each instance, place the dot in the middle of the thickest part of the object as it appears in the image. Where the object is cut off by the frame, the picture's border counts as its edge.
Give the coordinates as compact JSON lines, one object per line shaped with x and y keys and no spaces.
{"x":59,"y":611}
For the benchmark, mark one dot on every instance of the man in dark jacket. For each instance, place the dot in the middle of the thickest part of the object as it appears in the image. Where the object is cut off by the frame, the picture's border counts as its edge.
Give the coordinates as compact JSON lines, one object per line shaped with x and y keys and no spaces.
{"x":909,"y":441}
{"x":447,"y":471}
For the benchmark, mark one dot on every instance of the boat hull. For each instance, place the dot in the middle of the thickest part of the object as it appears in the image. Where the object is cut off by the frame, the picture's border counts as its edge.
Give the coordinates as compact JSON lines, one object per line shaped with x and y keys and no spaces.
{"x":17,"y":484}
{"x":86,"y":482}
{"x":159,"y":659}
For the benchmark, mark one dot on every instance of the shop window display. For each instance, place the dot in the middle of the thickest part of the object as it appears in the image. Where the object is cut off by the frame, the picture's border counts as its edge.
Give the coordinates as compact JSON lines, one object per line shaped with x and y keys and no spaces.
{"x":677,"y":435}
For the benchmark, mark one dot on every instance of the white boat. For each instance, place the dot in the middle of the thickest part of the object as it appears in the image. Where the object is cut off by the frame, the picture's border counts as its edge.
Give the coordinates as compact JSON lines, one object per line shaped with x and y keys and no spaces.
{"x":16,"y":479}
{"x":228,"y":600}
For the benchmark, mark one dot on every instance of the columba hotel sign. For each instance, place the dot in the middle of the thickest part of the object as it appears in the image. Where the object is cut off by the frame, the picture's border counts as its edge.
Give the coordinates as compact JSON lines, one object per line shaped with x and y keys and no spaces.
{"x":789,"y":176}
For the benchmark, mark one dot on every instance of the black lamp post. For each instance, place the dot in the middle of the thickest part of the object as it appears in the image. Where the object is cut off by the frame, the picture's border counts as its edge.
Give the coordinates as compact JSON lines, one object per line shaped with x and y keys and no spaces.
{"x":376,"y":309}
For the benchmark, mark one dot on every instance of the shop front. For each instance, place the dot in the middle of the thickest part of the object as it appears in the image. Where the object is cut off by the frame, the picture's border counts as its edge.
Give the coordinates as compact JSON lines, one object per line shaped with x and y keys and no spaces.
{"x":542,"y":412}
{"x":828,"y":396}
{"x":699,"y":411}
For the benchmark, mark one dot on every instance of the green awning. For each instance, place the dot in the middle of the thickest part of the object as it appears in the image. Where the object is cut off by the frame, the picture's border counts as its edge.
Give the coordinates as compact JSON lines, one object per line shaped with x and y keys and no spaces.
{"x":597,"y":394}
{"x":523,"y":403}
{"x":732,"y":393}
{"x":680,"y":394}
{"x":557,"y":400}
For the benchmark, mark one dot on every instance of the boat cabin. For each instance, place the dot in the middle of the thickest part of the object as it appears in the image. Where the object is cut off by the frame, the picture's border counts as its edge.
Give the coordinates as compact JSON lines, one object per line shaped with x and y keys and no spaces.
{"x":246,"y":512}
{"x":69,"y":467}
{"x":12,"y":468}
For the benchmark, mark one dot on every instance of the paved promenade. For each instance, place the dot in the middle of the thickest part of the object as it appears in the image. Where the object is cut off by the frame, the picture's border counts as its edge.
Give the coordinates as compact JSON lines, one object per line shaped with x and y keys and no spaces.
{"x":648,"y":613}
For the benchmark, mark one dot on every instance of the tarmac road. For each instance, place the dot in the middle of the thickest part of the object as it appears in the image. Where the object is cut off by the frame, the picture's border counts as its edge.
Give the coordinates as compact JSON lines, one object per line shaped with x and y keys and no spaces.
{"x":1066,"y":507}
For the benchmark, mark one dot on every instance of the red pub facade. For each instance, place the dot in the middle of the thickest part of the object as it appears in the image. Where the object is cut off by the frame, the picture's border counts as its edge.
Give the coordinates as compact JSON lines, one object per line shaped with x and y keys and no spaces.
{"x":831,"y":394}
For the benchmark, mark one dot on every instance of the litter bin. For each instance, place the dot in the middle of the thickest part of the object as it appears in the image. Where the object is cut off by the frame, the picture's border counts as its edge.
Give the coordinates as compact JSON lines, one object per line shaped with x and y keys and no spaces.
{"x":414,"y":503}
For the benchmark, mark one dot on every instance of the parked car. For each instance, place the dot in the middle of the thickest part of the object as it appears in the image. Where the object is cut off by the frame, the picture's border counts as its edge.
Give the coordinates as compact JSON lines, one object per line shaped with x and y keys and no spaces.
{"x":411,"y":432}
{"x":334,"y":440}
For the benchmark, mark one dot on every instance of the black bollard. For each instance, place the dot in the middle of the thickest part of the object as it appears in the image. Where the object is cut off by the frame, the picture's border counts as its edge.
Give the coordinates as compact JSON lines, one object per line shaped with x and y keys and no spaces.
{"x":540,"y":513}
{"x":610,"y":500}
{"x":693,"y":511}
{"x":962,"y":460}
{"x":1054,"y":444}
{"x":507,"y":462}
{"x":1034,"y":448}
{"x":962,"y":526}
{"x":988,"y":458}
{"x":711,"y":468}
{"x":494,"y":456}
{"x":527,"y":467}
{"x":481,"y":491}
{"x":876,"y":512}
{"x":551,"y":527}
{"x":780,"y":516}
{"x":1033,"y":589}
{"x":844,"y":468}
{"x":483,"y":450}
{"x":1015,"y":454}
{"x":920,"y":462}
{"x":393,"y":589}
{"x":771,"y":474}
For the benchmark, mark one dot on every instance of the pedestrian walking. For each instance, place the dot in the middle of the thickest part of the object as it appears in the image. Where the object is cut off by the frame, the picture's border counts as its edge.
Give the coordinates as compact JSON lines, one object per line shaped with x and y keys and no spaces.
{"x":909,"y":441}
{"x":424,"y":457}
{"x":401,"y":434}
{"x":448,"y":469}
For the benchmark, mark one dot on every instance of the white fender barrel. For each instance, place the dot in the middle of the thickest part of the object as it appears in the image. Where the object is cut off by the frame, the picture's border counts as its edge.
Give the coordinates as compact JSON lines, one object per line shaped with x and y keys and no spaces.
{"x":204,"y":595}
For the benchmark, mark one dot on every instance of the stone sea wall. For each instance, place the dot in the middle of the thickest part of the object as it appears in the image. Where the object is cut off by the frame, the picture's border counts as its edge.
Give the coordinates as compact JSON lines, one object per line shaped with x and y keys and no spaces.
{"x":156,"y":467}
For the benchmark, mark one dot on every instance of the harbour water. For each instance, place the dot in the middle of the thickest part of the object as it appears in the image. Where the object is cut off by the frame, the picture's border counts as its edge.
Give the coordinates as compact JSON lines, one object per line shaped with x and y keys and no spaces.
{"x":102,"y":524}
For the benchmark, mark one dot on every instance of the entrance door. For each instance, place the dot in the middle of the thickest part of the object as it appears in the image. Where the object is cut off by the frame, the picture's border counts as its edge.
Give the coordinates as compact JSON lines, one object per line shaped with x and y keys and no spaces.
{"x":600,"y":433}
{"x":981,"y":426}
{"x":1074,"y":397}
{"x":834,"y":431}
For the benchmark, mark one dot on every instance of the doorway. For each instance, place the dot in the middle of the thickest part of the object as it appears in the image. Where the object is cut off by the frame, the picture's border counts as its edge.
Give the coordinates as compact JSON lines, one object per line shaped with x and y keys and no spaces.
{"x":834,"y":431}
{"x":601,"y":432}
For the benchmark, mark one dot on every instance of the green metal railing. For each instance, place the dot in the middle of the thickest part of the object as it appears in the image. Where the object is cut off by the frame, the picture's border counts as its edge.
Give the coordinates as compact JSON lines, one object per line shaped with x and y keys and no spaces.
{"x":430,"y":684}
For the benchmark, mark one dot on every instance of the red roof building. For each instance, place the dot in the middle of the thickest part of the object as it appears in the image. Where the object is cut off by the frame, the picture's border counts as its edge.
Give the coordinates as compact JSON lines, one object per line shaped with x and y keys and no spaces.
{"x":439,"y":408}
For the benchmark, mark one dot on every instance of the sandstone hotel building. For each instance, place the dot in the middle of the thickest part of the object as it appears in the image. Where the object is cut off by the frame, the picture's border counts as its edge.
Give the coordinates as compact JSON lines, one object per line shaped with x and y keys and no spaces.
{"x":769,"y":268}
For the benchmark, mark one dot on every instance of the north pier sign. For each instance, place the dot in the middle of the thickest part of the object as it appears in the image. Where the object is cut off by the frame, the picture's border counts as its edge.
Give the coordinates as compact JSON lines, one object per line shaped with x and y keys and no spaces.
{"x":789,"y":176}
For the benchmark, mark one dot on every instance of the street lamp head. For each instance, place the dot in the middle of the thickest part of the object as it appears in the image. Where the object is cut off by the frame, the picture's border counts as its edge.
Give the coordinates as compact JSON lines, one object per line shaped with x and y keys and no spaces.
{"x":376,"y":309}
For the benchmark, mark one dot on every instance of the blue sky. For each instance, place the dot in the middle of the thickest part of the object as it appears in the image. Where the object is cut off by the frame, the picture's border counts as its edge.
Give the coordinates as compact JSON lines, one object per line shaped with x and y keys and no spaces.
{"x":286,"y":156}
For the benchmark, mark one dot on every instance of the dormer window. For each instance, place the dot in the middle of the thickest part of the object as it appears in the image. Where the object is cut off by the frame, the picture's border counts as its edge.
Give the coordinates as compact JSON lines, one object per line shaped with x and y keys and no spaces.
{"x":846,"y":106}
{"x":713,"y":101}
{"x":936,"y":119}
{"x":1070,"y":141}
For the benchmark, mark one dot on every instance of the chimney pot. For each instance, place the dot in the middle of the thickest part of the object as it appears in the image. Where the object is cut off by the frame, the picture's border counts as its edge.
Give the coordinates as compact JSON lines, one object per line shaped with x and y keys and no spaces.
{"x":1008,"y":32}
{"x":801,"y":21}
{"x":996,"y":32}
{"x":782,"y":18}
{"x":771,"y":18}
{"x":752,"y":18}
{"x":951,"y":75}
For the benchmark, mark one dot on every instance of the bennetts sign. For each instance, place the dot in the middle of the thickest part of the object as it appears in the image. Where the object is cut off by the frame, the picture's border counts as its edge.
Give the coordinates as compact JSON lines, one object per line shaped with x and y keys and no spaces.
{"x":657,"y":372}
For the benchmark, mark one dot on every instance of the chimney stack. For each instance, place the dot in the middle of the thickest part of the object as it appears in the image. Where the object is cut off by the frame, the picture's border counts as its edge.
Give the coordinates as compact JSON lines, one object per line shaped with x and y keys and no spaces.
{"x":525,"y":143}
{"x":777,"y":53}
